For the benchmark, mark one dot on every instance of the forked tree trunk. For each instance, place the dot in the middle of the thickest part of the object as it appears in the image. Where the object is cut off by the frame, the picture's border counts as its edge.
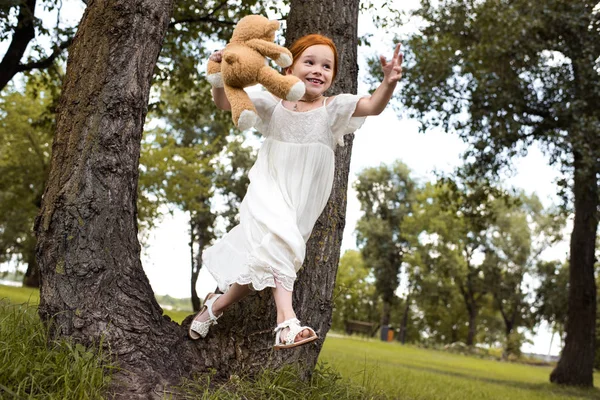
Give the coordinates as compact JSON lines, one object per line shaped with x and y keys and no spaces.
{"x":576,"y":365}
{"x":243,"y":339}
{"x":93,"y":287}
{"x":93,"y":284}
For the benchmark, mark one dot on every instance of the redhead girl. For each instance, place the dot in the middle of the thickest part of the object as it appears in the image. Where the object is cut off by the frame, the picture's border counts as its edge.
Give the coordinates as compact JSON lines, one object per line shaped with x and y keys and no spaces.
{"x":290,"y":184}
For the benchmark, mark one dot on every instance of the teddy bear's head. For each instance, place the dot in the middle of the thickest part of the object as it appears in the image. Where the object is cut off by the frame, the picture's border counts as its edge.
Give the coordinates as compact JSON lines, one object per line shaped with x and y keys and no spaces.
{"x":254,"y":27}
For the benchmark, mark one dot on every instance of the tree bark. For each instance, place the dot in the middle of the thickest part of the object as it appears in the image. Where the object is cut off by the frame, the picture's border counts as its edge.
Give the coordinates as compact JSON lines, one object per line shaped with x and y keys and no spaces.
{"x":243,"y":339}
{"x":93,"y":287}
{"x":196,"y":264}
{"x":32,"y":275}
{"x":404,"y":323}
{"x":577,"y":360}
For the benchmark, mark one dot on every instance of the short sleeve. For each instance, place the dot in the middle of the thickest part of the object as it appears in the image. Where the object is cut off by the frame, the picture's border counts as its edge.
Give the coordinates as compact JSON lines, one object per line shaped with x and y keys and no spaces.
{"x":265,"y":103}
{"x":342,"y":122}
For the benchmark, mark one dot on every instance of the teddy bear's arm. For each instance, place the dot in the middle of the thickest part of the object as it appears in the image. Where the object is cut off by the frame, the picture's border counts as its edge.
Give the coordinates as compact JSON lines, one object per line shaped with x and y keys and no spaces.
{"x":280,"y":55}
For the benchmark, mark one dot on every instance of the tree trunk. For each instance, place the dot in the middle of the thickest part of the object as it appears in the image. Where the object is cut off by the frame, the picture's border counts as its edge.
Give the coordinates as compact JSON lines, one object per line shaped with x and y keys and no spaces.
{"x":404,"y":324}
{"x":576,"y":362}
{"x":93,"y":284}
{"x":32,"y":275}
{"x":196,"y":263}
{"x":385,"y":313}
{"x":93,"y":287}
{"x":242,"y":341}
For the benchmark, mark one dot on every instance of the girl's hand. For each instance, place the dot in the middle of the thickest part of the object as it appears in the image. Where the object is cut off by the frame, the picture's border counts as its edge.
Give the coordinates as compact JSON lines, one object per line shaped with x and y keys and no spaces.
{"x":217,"y":56}
{"x":392,"y":71}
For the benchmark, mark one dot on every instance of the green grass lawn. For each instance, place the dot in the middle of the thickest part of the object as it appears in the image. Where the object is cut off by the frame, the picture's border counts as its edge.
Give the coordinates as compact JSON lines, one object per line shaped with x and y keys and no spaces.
{"x":406,"y":372}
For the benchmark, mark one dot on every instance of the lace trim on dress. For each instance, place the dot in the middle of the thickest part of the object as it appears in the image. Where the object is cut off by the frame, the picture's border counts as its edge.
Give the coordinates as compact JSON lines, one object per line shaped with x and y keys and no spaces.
{"x":259,"y":283}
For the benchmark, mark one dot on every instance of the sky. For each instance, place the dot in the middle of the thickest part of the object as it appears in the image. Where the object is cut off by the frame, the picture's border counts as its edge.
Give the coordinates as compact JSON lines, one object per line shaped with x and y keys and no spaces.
{"x":382,"y":139}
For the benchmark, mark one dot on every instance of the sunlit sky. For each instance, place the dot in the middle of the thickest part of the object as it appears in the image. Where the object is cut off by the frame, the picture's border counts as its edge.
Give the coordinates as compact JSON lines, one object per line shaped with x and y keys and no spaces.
{"x":382,"y":139}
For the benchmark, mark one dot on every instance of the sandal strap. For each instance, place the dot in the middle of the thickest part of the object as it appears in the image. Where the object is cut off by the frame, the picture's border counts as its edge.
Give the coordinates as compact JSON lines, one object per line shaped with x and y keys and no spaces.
{"x":286,"y":324}
{"x":208,"y":304}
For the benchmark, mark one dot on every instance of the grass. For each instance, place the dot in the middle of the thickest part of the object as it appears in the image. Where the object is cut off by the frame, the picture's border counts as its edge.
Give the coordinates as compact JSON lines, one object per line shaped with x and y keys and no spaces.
{"x":349,"y":368}
{"x":33,"y":367}
{"x":406,"y":372}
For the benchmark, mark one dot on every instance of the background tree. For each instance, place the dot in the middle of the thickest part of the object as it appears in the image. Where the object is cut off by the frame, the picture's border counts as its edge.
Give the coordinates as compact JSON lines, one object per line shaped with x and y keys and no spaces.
{"x":26,"y":131}
{"x":501,"y":89}
{"x":551,"y":296}
{"x":188,"y":160}
{"x":19,"y":23}
{"x":386,"y":195}
{"x":443,"y":316}
{"x":519,"y":234}
{"x":355,"y":297}
{"x":447,"y":227}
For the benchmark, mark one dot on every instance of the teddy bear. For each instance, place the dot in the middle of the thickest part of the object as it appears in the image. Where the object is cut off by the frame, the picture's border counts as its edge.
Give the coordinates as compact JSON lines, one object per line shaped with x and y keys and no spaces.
{"x":244,"y":64}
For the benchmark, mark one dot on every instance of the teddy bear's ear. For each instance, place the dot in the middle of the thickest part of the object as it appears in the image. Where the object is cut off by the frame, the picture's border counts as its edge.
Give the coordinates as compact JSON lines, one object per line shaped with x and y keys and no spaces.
{"x":271,"y":28}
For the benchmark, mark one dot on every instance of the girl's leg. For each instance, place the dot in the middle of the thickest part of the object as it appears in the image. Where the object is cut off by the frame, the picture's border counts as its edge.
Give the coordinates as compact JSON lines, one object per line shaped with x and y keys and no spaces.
{"x":283,"y":302}
{"x":235,"y":293}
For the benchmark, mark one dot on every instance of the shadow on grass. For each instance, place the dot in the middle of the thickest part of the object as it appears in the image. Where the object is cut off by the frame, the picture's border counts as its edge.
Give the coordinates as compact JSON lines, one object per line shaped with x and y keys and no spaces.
{"x":550,"y":389}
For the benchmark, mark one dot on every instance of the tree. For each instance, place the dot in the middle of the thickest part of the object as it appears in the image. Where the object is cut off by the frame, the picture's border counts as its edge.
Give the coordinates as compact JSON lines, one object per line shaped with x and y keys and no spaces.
{"x":551,"y":296}
{"x":93,"y":286}
{"x":21,"y":28}
{"x":447,"y":227}
{"x":386,"y":195}
{"x":519,"y":234}
{"x":501,"y":89}
{"x":26,"y":131}
{"x":354,"y":294}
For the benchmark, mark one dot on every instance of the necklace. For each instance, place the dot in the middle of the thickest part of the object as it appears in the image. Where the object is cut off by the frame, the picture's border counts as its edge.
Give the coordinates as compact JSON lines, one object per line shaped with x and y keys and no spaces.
{"x":306,"y":101}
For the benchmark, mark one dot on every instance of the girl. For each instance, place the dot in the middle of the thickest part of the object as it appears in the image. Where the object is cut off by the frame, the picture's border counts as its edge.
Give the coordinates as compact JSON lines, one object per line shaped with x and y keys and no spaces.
{"x":290,"y":184}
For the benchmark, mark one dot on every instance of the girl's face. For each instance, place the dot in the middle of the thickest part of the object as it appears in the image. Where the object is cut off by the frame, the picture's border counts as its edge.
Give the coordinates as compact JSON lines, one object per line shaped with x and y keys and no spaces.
{"x":314,"y":67}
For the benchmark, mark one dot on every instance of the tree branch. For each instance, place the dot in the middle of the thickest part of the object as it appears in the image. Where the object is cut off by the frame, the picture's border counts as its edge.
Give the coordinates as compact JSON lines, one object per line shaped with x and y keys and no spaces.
{"x":200,"y":19}
{"x":23,"y":34}
{"x":205,"y":18}
{"x":47,"y":62}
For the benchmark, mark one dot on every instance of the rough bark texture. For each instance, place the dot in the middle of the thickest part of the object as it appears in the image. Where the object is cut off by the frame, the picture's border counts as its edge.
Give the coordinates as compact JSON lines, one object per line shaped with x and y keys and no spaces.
{"x":93,"y":286}
{"x":576,"y":365}
{"x":243,"y":339}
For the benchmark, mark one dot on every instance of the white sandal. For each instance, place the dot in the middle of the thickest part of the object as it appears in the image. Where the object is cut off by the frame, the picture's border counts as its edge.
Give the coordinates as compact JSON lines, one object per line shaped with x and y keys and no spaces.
{"x":199,"y":329}
{"x":294,"y":325}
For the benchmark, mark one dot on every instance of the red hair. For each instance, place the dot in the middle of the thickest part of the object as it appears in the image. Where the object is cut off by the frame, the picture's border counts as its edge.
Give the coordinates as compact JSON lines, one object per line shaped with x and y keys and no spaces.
{"x":298,"y":47}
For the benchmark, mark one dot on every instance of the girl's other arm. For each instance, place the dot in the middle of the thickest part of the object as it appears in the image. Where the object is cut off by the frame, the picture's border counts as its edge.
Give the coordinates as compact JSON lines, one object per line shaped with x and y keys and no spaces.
{"x":392,"y":72}
{"x":219,"y":93}
{"x":220,"y":99}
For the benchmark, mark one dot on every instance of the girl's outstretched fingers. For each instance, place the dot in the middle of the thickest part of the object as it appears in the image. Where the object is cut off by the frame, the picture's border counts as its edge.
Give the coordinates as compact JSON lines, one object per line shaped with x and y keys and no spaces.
{"x":392,"y":71}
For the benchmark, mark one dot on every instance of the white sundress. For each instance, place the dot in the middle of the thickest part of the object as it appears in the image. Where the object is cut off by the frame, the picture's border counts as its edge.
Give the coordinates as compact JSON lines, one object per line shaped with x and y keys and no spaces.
{"x":290,"y":184}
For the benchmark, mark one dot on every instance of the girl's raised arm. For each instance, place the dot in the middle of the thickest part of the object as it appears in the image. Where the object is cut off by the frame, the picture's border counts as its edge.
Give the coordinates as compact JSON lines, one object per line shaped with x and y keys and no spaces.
{"x":218,"y":94}
{"x":392,"y":72}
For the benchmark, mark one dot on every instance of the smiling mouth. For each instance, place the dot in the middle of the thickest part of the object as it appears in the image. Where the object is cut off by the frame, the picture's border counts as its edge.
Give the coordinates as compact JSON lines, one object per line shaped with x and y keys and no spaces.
{"x":315,"y":81}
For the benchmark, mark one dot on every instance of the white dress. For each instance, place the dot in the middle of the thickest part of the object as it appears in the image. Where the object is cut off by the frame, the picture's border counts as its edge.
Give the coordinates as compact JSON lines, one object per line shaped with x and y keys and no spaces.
{"x":290,"y":184}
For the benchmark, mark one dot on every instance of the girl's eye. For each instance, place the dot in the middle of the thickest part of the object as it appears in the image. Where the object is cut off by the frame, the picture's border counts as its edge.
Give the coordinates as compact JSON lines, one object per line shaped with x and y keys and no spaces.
{"x":327,"y":66}
{"x":309,"y":62}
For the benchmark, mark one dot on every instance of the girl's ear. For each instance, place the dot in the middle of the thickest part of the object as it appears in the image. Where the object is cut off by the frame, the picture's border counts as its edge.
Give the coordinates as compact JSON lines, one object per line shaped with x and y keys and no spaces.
{"x":288,"y":71}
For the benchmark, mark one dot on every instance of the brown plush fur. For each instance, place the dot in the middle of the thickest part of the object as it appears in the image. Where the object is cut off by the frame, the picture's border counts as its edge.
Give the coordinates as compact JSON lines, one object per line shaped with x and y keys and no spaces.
{"x":243,"y":64}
